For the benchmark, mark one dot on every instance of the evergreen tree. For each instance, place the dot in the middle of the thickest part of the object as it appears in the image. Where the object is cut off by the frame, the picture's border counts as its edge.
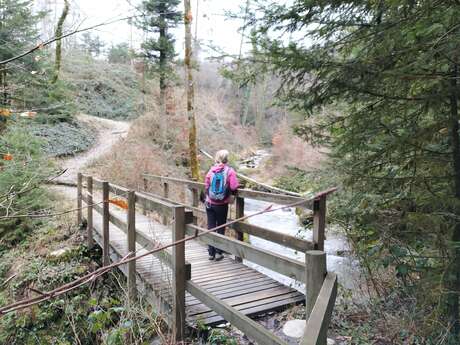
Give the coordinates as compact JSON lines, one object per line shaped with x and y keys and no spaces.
{"x":92,"y":45}
{"x":17,"y":33}
{"x":159,"y":16}
{"x":392,"y":69}
{"x":119,"y":53}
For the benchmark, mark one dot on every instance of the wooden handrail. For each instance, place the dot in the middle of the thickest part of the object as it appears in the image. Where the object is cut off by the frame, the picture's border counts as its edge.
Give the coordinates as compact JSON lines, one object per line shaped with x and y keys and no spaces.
{"x":322,"y":285}
{"x":244,"y":193}
{"x":274,"y":236}
{"x":235,"y":317}
{"x":318,"y":322}
{"x":288,"y":241}
{"x":275,"y":262}
{"x":143,"y":240}
{"x":175,"y":259}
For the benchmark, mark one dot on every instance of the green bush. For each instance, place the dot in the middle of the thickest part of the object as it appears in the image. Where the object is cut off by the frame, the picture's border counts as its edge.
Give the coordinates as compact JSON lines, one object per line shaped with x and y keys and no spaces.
{"x":103,"y":89}
{"x":20,"y":190}
{"x":297,"y":180}
{"x":63,"y":138}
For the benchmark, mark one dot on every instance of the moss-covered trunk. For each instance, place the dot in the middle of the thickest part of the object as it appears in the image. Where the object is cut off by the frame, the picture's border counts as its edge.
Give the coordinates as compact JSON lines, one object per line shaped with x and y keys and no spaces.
{"x":58,"y":33}
{"x":192,"y":136}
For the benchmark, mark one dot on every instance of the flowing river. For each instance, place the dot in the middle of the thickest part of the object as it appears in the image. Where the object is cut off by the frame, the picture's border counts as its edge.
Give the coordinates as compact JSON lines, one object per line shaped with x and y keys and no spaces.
{"x":339,"y":259}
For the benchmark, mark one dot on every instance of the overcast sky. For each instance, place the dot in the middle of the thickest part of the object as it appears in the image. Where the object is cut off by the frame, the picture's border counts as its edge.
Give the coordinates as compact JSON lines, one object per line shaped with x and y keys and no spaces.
{"x":212,"y":25}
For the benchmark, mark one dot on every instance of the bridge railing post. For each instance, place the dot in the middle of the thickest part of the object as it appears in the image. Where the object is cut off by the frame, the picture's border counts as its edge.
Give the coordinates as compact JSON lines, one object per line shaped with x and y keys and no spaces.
{"x":315,"y":272}
{"x":319,"y":222}
{"x":131,"y":220}
{"x":239,"y":212}
{"x":195,"y":199}
{"x":178,"y":274}
{"x":105,"y":224}
{"x":89,"y":228}
{"x":166,"y":196}
{"x":79,"y":199}
{"x":144,"y":205}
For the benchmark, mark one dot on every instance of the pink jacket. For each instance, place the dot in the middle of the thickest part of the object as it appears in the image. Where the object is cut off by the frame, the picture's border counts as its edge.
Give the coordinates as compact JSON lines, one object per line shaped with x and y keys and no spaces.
{"x":232,"y":181}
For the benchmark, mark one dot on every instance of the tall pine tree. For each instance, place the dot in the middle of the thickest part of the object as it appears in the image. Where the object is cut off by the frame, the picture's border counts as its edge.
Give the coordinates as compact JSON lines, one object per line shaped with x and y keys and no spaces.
{"x":17,"y":33}
{"x":392,"y":69}
{"x":158,"y":18}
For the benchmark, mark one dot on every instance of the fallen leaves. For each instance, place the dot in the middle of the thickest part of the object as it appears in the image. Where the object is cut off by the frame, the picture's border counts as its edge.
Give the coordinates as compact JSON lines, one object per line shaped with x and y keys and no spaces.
{"x":120,"y":203}
{"x":5,"y":112}
{"x":7,"y":157}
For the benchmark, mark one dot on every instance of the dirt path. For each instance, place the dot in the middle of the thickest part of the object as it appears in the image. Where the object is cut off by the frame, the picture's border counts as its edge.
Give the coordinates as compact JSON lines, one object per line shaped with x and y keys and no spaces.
{"x":109,"y":133}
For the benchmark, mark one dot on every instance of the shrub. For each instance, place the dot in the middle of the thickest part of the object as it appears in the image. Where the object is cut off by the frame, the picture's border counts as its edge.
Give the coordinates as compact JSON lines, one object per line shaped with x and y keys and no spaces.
{"x":20,"y":178}
{"x":63,"y":138}
{"x":103,"y":89}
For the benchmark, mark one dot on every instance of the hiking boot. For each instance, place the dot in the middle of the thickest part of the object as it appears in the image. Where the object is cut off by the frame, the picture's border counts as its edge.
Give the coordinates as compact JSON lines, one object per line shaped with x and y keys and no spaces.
{"x":219,"y":257}
{"x":211,"y":257}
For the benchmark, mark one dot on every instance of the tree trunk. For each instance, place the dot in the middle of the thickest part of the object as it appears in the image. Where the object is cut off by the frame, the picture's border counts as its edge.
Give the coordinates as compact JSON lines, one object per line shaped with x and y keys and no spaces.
{"x":162,"y":63}
{"x":453,"y":282}
{"x":261,"y":107}
{"x":5,"y":98}
{"x":192,"y":137}
{"x":163,"y":58}
{"x":58,"y":33}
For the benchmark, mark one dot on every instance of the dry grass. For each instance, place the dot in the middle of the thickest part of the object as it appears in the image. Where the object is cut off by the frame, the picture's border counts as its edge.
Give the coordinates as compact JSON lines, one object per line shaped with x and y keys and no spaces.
{"x":160,"y":146}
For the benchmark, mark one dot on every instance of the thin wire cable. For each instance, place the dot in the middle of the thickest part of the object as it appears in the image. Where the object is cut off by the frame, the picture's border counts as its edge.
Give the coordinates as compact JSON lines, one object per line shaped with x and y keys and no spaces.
{"x":130,"y":257}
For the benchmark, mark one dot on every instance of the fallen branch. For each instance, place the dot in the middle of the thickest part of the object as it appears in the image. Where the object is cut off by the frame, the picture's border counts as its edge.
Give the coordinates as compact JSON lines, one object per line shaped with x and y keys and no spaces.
{"x":54,"y":39}
{"x":128,"y":258}
{"x":46,"y":215}
{"x":8,"y":280}
{"x":62,"y":183}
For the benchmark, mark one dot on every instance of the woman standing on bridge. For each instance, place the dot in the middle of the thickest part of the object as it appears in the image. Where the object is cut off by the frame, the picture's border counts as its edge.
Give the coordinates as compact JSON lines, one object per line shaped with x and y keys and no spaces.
{"x":220,"y":183}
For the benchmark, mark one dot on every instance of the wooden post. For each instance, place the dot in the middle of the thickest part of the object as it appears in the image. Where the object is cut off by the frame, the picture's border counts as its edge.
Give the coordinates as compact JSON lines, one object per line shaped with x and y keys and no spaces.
{"x":178,"y":272}
{"x":105,"y":224}
{"x":195,"y":197}
{"x":195,"y":202}
{"x":79,"y":203}
{"x":319,"y":222}
{"x":144,"y":206}
{"x":239,"y":212}
{"x":315,"y":271}
{"x":131,"y":220}
{"x":89,"y":229}
{"x":165,"y":195}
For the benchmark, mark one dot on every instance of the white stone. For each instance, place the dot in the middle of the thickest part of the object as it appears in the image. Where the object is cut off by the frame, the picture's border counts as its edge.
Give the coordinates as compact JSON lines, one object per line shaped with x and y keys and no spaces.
{"x":59,"y":253}
{"x":294,"y":328}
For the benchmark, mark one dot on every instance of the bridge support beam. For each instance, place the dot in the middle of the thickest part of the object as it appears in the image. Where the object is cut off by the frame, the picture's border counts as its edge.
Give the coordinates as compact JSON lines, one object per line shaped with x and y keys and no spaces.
{"x":89,"y":226}
{"x":178,"y":274}
{"x":105,"y":224}
{"x":319,"y":222}
{"x":79,"y":201}
{"x":239,"y":212}
{"x":315,"y":266}
{"x":131,"y":221}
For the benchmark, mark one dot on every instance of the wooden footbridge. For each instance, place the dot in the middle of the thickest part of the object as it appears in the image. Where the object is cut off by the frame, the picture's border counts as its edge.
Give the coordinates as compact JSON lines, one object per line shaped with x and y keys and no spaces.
{"x":181,"y":283}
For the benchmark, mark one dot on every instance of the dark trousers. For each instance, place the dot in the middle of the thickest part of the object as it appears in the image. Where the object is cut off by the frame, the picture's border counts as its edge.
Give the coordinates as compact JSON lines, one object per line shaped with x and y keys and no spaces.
{"x":217,"y":215}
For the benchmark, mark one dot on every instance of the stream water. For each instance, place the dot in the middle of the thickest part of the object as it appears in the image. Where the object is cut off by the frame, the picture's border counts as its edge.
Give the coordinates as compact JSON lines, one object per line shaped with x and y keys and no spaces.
{"x":339,"y":259}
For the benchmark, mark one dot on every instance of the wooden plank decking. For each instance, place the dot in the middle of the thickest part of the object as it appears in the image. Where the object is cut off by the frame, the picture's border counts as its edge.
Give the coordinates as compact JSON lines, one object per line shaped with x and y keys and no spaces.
{"x":242,"y":287}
